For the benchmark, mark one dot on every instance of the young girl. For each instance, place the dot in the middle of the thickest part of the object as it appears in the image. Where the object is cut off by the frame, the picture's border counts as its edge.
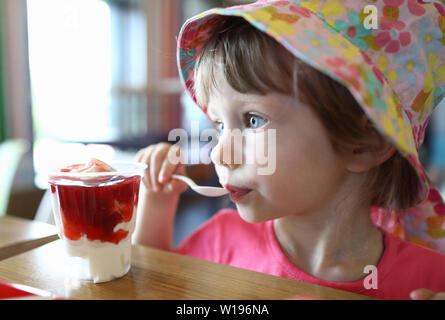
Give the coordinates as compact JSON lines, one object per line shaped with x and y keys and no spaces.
{"x":348,"y":106}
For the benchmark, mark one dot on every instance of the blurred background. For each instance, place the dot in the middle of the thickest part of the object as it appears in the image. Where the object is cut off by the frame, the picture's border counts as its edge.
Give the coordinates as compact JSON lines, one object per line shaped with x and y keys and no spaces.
{"x":82,"y":78}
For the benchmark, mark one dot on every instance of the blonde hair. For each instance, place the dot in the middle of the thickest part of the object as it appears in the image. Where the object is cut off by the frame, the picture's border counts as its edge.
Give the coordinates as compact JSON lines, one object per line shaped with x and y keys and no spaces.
{"x":253,"y":62}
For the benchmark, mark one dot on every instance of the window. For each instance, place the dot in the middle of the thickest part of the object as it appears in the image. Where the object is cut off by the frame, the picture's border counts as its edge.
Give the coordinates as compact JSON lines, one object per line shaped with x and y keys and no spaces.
{"x":104,"y":71}
{"x":70,"y":66}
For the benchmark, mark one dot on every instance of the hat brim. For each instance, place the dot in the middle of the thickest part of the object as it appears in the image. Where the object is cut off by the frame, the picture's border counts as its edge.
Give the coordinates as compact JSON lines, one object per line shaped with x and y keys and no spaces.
{"x":314,"y":41}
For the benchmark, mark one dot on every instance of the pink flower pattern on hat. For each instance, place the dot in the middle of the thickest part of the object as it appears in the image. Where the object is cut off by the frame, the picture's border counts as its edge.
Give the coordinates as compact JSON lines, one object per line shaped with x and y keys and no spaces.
{"x":394,"y":36}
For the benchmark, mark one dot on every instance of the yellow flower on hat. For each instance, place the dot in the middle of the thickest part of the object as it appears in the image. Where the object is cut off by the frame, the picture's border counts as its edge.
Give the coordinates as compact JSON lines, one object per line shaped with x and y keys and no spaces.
{"x":389,"y":127}
{"x":349,"y":50}
{"x":435,"y":227}
{"x":424,"y":99}
{"x":418,"y":240}
{"x":330,"y":9}
{"x":276,"y":24}
{"x":382,"y":64}
{"x":440,"y":73}
{"x":395,"y":126}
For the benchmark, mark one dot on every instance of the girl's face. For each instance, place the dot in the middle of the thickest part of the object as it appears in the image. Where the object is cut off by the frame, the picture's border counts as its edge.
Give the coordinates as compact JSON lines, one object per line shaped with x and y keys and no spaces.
{"x":307,"y":172}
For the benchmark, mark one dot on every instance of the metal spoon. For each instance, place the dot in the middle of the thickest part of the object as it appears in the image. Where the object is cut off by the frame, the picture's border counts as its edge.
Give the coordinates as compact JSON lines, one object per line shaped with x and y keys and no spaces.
{"x":205,"y":191}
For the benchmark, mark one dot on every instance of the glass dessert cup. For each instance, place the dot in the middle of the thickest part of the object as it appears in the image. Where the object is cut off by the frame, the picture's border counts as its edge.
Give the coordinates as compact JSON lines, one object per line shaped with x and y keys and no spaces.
{"x":95,"y":213}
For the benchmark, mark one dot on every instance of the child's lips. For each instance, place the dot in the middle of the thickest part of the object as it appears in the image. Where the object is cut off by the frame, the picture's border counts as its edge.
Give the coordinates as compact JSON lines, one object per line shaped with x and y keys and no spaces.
{"x":236,"y":193}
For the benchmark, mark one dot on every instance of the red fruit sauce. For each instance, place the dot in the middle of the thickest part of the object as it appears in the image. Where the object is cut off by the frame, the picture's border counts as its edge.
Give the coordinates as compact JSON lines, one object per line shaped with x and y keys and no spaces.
{"x":94,"y":209}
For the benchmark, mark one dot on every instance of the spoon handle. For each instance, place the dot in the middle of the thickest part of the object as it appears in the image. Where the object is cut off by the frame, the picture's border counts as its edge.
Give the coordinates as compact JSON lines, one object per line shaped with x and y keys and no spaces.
{"x":187,"y":180}
{"x":203,"y":190}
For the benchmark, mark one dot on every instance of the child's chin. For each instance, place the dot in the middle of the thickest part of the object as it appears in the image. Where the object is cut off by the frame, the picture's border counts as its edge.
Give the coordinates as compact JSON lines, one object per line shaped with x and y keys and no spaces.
{"x":250,"y":216}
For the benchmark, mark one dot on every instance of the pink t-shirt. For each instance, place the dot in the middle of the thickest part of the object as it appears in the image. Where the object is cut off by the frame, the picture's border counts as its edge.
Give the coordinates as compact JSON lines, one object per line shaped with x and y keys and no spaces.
{"x":227,"y":239}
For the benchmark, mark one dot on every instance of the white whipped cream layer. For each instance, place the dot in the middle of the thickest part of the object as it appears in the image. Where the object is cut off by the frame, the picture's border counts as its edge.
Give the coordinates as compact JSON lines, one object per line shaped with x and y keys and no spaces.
{"x":95,"y":260}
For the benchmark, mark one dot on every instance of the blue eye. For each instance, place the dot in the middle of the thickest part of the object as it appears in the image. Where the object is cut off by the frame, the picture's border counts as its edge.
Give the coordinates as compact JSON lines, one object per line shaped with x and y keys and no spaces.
{"x":254,"y":121}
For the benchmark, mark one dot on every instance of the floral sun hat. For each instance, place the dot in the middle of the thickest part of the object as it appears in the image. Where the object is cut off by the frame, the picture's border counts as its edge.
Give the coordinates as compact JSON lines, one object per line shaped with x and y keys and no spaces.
{"x":396,"y":72}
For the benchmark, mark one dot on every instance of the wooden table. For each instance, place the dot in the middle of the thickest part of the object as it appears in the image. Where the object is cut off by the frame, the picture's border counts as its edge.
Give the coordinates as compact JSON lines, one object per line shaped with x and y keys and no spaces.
{"x":157,"y":274}
{"x":18,"y":235}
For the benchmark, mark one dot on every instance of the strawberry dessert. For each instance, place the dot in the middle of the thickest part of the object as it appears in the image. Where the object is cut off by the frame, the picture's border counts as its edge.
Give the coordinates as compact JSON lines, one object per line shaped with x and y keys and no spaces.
{"x":94,"y":207}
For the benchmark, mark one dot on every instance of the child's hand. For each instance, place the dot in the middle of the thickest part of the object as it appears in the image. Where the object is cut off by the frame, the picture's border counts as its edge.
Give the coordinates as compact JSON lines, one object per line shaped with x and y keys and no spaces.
{"x":160,"y":169}
{"x":426,"y":294}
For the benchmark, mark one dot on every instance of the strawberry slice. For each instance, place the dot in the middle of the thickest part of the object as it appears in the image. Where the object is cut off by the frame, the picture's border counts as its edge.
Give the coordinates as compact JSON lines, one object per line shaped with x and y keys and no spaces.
{"x":95,"y":165}
{"x":73,"y":168}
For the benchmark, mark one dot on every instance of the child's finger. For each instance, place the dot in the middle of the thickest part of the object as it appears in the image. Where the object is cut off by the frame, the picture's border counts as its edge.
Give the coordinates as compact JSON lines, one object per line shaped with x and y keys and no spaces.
{"x":144,"y":157}
{"x":156,"y":161}
{"x":166,"y":171}
{"x":140,"y":154}
{"x":421,"y":294}
{"x":168,"y":168}
{"x":178,"y":186}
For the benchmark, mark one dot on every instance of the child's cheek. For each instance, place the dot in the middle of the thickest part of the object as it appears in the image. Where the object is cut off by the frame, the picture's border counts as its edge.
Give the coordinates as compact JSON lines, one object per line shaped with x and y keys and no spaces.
{"x":260,"y":150}
{"x":249,"y":150}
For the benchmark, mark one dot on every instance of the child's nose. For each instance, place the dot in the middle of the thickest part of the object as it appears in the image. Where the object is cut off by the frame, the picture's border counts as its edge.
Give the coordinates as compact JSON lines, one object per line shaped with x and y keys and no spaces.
{"x":228,"y":151}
